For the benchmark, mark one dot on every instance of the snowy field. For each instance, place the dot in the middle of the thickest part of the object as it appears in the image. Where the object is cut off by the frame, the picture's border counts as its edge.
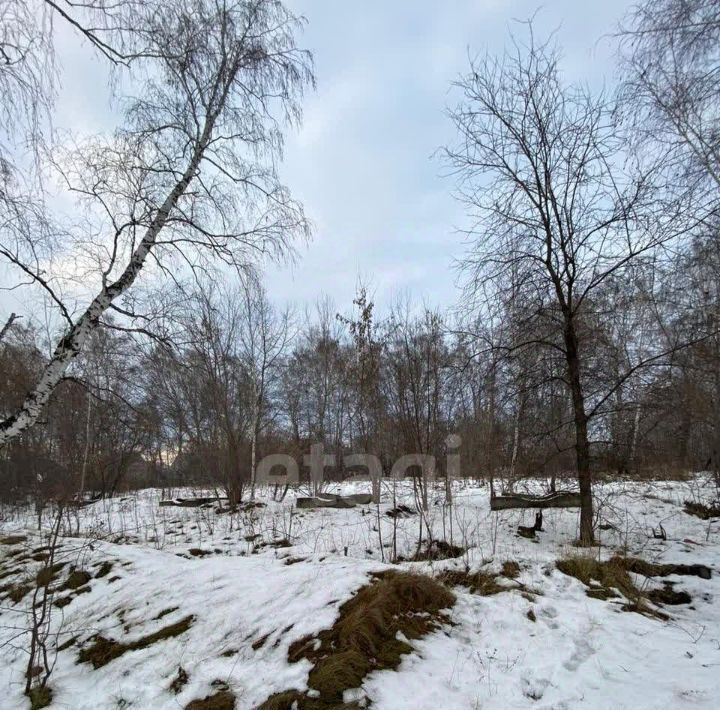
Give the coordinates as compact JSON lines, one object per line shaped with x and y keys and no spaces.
{"x":248,"y":584}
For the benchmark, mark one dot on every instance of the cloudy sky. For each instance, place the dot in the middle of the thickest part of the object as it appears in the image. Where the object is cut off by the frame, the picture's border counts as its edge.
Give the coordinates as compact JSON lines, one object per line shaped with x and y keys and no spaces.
{"x":363,"y":162}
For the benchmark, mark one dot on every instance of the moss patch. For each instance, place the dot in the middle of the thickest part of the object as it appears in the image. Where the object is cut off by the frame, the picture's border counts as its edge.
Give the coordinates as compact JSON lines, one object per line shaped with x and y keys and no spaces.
{"x":372,"y":633}
{"x":104,"y":650}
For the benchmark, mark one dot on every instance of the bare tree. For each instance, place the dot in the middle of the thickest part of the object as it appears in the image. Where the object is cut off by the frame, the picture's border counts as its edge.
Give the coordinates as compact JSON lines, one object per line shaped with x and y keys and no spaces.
{"x":190,"y":179}
{"x":538,"y":166}
{"x":264,"y":338}
{"x":671,"y":61}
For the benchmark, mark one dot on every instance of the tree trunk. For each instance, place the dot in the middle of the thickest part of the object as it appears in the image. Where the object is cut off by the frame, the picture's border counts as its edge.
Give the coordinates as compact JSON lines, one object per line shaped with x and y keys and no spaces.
{"x":76,"y":337}
{"x":582,"y":445}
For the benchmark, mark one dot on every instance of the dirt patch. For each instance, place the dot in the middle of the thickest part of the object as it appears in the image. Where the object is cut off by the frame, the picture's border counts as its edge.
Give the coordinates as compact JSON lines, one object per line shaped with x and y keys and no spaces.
{"x":67,"y":644}
{"x":277,"y":544}
{"x":165,"y":612}
{"x":667,"y":595}
{"x":104,"y":650}
{"x":294,"y":560}
{"x":648,"y":569}
{"x":260,"y":642}
{"x":222,"y":700}
{"x":372,"y":632}
{"x":197,"y":552}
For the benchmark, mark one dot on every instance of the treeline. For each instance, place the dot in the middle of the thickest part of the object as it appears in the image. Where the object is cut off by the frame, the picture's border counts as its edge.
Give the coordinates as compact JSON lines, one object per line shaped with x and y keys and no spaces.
{"x":251,"y":380}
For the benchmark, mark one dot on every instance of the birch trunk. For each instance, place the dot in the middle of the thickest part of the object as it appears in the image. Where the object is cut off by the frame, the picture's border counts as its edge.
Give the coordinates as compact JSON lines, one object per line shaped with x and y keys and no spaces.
{"x":77,"y":336}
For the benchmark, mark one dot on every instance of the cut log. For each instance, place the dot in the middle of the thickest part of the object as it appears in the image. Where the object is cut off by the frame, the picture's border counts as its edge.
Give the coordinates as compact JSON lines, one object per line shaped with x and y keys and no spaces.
{"x":360,"y":498}
{"x":323,"y":503}
{"x":191,"y":502}
{"x":561,"y":499}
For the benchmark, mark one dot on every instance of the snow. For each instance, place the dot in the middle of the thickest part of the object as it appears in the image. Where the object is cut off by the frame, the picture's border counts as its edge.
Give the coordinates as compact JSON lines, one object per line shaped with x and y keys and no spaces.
{"x":580,"y":652}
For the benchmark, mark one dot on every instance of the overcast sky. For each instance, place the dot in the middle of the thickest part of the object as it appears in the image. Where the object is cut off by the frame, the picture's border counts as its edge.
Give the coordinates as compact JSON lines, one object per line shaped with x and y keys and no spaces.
{"x":362,"y":163}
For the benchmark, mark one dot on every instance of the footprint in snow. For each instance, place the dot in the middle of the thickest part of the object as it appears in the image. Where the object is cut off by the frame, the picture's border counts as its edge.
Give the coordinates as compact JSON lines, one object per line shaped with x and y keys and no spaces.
{"x":583,"y":651}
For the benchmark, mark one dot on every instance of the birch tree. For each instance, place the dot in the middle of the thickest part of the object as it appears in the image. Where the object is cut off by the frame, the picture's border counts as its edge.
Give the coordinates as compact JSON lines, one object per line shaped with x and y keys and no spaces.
{"x":189,"y":180}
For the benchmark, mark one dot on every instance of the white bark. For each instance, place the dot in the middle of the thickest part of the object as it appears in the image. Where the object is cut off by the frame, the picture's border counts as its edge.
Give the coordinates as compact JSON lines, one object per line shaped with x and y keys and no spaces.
{"x":77,"y":336}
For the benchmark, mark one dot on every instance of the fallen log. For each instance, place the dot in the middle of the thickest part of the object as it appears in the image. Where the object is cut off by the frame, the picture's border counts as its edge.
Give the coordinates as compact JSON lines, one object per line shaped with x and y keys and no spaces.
{"x":561,"y":499}
{"x":190,"y":502}
{"x":360,"y":498}
{"x":323,"y":503}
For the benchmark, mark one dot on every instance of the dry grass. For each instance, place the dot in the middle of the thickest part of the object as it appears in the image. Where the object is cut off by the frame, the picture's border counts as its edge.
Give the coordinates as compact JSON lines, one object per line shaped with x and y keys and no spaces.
{"x":12,"y":539}
{"x":365,"y":637}
{"x":180,"y":681}
{"x":76,"y":579}
{"x":510,"y":569}
{"x":104,"y":650}
{"x":222,"y":700}
{"x":612,"y":579}
{"x":40,"y":697}
{"x":483,"y":583}
{"x":438,"y":550}
{"x":16,"y":592}
{"x":46,"y":575}
{"x":702,"y":511}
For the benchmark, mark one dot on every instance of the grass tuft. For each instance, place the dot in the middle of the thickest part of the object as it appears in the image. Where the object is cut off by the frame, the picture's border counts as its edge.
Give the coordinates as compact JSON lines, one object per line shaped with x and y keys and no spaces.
{"x":438,"y":550}
{"x":40,"y":697}
{"x":609,"y":580}
{"x":76,"y":579}
{"x":510,"y":569}
{"x":12,"y":539}
{"x":222,"y":700}
{"x":372,"y":633}
{"x":483,"y":583}
{"x":104,"y":650}
{"x":702,"y":511}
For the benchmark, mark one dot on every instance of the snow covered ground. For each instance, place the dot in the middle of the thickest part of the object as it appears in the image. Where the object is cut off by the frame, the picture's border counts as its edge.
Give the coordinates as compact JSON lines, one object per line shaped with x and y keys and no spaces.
{"x":250,"y":595}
